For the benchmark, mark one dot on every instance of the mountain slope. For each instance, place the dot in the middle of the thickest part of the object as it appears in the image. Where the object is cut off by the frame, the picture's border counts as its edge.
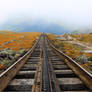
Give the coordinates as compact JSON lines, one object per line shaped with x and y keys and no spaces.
{"x":34,"y":27}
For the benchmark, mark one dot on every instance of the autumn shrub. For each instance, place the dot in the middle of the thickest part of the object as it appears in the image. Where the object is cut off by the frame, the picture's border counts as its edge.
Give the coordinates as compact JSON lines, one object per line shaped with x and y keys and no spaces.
{"x":2,"y":66}
{"x":17,"y":40}
{"x":83,"y":37}
{"x":71,"y":50}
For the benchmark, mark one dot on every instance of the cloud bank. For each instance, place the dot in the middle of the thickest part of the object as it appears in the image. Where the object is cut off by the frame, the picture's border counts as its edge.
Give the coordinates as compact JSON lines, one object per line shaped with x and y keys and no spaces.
{"x":67,"y":13}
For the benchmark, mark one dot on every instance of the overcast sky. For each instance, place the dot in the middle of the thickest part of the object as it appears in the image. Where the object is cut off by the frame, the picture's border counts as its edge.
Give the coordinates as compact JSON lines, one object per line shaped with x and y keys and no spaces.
{"x":68,"y":13}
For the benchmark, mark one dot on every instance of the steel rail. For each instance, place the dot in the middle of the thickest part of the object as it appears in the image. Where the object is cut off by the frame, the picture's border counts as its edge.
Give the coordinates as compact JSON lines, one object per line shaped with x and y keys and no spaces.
{"x":54,"y":86}
{"x":37,"y":82}
{"x":83,"y":74}
{"x":9,"y":73}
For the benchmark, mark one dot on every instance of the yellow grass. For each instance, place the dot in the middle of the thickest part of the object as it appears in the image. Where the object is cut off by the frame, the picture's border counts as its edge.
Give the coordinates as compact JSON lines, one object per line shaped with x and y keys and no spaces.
{"x":17,"y":40}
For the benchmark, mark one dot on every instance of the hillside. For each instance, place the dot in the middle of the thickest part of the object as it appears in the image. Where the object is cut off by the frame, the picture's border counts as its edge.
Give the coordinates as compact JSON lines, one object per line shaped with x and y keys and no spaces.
{"x":17,"y":40}
{"x":13,"y":45}
{"x":76,"y":47}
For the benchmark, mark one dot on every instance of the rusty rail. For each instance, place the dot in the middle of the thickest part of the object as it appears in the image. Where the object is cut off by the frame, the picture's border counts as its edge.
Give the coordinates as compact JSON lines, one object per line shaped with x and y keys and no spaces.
{"x":38,"y":76}
{"x":84,"y":75}
{"x":54,"y":86}
{"x":9,"y":73}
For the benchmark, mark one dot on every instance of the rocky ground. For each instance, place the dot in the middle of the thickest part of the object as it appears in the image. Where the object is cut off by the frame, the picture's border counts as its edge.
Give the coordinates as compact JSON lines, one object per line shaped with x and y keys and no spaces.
{"x":8,"y":57}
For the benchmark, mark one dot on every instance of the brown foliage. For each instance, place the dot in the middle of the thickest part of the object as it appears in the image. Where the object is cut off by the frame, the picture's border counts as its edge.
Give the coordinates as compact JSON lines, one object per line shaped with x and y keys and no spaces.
{"x":2,"y":66}
{"x":16,"y":41}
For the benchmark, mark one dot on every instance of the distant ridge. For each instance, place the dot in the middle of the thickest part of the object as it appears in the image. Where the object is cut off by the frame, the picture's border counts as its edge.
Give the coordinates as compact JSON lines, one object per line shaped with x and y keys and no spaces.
{"x":34,"y":27}
{"x":82,"y":31}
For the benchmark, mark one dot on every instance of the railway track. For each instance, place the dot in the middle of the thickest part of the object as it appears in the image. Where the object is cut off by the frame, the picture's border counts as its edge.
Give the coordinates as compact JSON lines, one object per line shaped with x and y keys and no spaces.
{"x":70,"y":76}
{"x":45,"y":69}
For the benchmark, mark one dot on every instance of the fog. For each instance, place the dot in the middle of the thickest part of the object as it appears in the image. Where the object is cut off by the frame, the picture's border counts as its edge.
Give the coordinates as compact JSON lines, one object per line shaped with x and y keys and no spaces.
{"x":72,"y":14}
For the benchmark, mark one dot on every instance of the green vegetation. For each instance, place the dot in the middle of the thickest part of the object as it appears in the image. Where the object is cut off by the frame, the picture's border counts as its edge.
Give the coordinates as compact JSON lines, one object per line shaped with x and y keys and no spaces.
{"x":82,"y":59}
{"x":8,"y":56}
